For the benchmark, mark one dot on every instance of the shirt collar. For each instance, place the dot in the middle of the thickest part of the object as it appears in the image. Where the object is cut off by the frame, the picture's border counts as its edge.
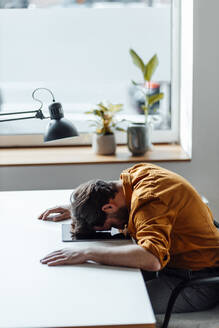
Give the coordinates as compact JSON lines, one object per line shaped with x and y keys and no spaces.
{"x":127,"y":187}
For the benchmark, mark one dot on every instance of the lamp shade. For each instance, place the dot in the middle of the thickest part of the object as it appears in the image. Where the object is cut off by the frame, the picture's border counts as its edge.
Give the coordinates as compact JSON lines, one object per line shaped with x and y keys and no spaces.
{"x":59,"y":127}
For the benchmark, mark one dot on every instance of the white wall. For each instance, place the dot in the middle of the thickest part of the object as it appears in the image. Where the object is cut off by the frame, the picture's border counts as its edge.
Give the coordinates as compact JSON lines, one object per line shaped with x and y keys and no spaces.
{"x":203,"y":170}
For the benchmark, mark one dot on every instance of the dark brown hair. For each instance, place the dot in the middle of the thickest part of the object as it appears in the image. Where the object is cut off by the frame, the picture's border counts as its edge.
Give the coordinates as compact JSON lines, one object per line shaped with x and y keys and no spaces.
{"x":87,"y":202}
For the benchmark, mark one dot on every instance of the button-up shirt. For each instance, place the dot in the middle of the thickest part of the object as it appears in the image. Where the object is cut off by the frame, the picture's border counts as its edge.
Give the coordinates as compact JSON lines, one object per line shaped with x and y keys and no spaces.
{"x":169,"y":219}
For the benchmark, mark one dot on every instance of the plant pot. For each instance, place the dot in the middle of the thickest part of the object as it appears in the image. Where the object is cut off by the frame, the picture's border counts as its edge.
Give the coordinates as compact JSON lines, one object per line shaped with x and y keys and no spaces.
{"x":104,"y":144}
{"x":139,"y":138}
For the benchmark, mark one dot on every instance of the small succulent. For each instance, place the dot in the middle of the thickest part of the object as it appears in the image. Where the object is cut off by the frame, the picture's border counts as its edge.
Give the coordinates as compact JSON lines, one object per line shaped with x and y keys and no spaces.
{"x":105,"y":122}
{"x":147,"y":70}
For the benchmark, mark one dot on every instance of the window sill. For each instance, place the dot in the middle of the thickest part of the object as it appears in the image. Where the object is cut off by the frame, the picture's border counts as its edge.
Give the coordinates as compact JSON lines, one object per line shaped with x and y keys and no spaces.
{"x":84,"y":155}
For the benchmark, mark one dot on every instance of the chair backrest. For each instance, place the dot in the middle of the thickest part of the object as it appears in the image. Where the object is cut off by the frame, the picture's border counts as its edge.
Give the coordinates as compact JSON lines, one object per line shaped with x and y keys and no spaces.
{"x":216,"y":224}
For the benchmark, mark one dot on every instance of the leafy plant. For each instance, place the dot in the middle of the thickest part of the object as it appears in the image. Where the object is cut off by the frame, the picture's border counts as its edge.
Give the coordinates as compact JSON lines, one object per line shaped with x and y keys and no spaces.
{"x":105,"y":122}
{"x":147,"y":71}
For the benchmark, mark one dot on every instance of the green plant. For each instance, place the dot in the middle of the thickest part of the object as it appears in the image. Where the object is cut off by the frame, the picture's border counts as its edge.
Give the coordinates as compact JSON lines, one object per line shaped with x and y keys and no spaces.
{"x":105,"y":122}
{"x":147,"y":70}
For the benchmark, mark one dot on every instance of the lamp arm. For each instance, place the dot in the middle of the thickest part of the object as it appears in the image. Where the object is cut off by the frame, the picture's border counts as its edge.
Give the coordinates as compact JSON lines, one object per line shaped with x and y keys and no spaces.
{"x":15,"y":113}
{"x":39,"y":114}
{"x":17,"y":119}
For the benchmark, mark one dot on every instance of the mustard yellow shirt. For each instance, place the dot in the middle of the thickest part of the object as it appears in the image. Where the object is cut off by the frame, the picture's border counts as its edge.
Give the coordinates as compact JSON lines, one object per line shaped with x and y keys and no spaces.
{"x":169,"y":219}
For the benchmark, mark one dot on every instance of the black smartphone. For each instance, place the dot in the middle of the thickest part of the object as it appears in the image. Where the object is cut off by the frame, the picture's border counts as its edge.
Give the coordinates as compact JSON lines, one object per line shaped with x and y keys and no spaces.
{"x":67,"y":235}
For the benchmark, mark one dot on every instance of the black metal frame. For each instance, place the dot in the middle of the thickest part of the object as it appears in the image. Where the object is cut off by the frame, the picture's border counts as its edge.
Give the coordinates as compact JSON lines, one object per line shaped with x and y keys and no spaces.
{"x":208,"y":281}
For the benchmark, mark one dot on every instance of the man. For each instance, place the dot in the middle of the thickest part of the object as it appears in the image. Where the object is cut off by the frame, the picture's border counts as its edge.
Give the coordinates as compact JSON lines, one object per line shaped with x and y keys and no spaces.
{"x":174,"y":231}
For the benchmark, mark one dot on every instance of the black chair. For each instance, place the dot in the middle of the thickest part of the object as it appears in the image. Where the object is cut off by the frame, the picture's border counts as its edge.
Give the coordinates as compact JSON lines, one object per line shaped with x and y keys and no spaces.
{"x":208,"y":281}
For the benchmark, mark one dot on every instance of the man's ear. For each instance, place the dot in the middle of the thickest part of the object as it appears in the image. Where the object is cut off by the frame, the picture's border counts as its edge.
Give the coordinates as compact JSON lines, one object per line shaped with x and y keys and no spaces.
{"x":109,"y":208}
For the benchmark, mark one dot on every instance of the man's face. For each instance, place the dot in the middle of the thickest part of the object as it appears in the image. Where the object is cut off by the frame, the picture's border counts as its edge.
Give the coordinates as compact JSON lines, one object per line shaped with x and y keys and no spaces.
{"x":118,"y":219}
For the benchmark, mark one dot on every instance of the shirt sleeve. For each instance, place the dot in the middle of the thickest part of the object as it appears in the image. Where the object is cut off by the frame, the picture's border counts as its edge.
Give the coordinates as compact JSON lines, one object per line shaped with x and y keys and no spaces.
{"x":153,"y":223}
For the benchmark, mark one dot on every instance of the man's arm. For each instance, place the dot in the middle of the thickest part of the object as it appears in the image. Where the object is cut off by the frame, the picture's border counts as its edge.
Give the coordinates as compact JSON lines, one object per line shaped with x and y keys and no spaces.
{"x":133,"y":256}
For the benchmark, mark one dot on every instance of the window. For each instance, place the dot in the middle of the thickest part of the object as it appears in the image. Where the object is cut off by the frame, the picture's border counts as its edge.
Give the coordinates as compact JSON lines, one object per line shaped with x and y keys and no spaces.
{"x":80,"y":50}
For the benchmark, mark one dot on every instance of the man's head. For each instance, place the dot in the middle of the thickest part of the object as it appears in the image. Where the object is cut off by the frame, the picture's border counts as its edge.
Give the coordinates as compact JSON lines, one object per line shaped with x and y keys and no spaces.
{"x":98,"y":205}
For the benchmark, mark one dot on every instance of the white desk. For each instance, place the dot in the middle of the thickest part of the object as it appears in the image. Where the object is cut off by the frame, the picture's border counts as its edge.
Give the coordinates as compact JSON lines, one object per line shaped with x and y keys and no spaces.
{"x":35,"y":295}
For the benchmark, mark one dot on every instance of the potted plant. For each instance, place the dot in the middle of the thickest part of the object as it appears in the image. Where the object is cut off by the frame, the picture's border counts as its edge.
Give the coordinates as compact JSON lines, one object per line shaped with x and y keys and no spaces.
{"x":105,"y":123}
{"x":147,"y":71}
{"x":139,"y":134}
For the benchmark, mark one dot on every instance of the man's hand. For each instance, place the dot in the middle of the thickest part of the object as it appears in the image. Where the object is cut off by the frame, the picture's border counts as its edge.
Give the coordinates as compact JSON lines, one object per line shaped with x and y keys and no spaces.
{"x":65,"y":256}
{"x":55,"y":214}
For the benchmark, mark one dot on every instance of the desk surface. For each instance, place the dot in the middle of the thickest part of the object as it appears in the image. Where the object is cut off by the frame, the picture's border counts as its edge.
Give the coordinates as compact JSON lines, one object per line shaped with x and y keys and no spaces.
{"x":35,"y":295}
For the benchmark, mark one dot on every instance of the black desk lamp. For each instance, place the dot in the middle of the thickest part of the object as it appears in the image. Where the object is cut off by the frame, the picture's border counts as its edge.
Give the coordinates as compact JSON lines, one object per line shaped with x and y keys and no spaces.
{"x":58,"y":128}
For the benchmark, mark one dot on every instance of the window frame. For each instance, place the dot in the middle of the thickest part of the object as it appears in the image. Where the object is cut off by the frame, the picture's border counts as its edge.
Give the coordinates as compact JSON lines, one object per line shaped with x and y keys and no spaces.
{"x":158,"y":136}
